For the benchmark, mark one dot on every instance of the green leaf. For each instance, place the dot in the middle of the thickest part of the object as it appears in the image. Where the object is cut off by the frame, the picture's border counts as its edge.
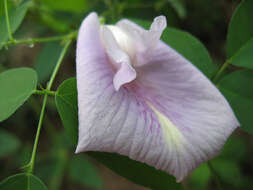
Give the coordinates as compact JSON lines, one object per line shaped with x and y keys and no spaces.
{"x":240,"y":28}
{"x":139,"y":173}
{"x":22,"y":182}
{"x":16,"y":85}
{"x":244,"y":57}
{"x":238,"y":83}
{"x":235,"y":149}
{"x":179,"y":7}
{"x":46,"y":60}
{"x":85,"y":173}
{"x":66,"y":103}
{"x":8,"y":143}
{"x":16,"y":17}
{"x":200,"y":177}
{"x":239,"y":93}
{"x":228,"y":171}
{"x":76,"y":6}
{"x":194,"y":51}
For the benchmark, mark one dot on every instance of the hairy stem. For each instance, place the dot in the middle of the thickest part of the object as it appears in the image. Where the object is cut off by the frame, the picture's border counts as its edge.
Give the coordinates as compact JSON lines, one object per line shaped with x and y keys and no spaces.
{"x":42,"y":113}
{"x":7,"y":20}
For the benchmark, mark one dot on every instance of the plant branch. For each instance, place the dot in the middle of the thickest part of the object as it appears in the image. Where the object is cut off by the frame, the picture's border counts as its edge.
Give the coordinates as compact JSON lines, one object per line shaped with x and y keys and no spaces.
{"x":42,"y":113}
{"x":69,"y":36}
{"x":44,"y":91}
{"x":7,"y":20}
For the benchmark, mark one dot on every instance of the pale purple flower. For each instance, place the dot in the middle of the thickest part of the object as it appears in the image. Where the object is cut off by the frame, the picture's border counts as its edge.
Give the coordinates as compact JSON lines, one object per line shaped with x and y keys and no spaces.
{"x":139,"y":97}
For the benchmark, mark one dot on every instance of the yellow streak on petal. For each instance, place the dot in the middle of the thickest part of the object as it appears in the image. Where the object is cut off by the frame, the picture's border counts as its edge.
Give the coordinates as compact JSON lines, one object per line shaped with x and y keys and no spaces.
{"x":172,"y":135}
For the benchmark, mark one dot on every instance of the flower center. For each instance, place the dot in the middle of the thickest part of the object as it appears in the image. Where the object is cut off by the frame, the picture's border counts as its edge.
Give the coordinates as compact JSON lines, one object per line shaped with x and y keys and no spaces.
{"x":124,"y":41}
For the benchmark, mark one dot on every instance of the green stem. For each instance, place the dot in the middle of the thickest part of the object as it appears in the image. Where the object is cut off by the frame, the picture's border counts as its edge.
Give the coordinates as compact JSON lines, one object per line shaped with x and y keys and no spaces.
{"x":42,"y":113}
{"x":31,"y":164}
{"x":69,"y":36}
{"x":7,"y":20}
{"x":215,"y":175}
{"x":220,"y":72}
{"x":58,"y":64}
{"x":45,"y":91}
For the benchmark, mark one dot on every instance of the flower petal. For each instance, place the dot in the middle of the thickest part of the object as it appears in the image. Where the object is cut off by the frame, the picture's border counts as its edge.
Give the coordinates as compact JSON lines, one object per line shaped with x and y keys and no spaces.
{"x":111,"y":121}
{"x":195,"y":117}
{"x":170,"y":116}
{"x":120,"y":60}
{"x":146,"y":40}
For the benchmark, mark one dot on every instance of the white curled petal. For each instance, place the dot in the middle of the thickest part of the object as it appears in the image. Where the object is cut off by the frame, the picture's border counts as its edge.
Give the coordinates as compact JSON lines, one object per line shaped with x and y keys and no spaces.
{"x":152,"y":37}
{"x":145,"y":40}
{"x":125,"y":73}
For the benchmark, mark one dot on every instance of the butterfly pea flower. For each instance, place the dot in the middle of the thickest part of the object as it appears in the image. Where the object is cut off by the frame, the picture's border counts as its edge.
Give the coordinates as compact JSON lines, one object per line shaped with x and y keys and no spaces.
{"x":140,"y":98}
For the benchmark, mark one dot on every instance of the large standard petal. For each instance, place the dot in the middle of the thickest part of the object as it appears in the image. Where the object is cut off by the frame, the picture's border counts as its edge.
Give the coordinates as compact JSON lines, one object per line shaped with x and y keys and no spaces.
{"x":195,"y":117}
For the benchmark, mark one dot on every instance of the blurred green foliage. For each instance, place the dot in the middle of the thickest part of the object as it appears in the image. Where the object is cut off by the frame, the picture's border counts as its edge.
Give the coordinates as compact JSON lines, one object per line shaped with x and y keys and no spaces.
{"x":10,"y":142}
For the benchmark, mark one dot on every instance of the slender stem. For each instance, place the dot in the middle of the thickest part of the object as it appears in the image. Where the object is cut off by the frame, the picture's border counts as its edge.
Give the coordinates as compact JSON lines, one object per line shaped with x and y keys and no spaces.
{"x":220,"y":71}
{"x":7,"y":20}
{"x":71,"y":35}
{"x":215,"y":175}
{"x":43,"y":92}
{"x":31,"y":164}
{"x":47,"y":121}
{"x":42,"y":113}
{"x":58,"y":64}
